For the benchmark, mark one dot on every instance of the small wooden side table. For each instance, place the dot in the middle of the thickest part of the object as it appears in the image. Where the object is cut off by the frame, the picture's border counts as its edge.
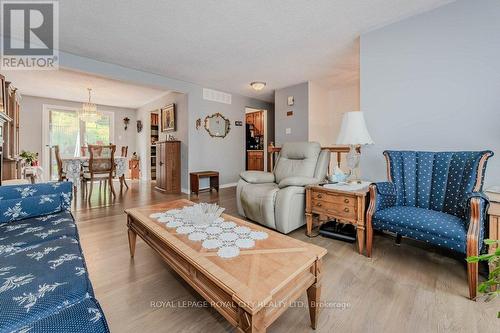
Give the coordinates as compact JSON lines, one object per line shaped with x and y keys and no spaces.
{"x":323,"y":204}
{"x":133,"y":165}
{"x":194,"y":180}
{"x":494,"y":212}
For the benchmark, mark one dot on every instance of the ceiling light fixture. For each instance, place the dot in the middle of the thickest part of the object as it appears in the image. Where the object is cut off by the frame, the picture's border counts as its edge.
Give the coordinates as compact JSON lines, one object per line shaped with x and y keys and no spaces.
{"x":258,"y":85}
{"x":89,"y":110}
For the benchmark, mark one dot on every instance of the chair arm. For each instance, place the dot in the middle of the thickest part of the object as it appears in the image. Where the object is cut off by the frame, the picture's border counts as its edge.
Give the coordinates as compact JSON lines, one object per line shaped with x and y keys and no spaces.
{"x":477,"y":209}
{"x":257,"y":177}
{"x":383,"y":195}
{"x":298,"y":181}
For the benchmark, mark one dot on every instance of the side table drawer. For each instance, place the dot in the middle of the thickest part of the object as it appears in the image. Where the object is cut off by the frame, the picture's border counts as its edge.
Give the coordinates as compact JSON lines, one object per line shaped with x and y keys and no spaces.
{"x":334,"y":198}
{"x":334,"y":209}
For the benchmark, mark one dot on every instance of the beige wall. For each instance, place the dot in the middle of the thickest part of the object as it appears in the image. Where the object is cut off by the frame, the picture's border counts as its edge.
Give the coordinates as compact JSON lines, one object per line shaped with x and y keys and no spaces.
{"x":326,"y":108}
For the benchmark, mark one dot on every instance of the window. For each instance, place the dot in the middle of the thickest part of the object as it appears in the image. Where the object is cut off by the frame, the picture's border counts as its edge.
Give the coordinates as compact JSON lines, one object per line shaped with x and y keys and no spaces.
{"x":62,"y":127}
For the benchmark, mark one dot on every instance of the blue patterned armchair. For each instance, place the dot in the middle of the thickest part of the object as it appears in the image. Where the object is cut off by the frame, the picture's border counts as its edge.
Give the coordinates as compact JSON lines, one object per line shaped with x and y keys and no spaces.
{"x":433,"y":197}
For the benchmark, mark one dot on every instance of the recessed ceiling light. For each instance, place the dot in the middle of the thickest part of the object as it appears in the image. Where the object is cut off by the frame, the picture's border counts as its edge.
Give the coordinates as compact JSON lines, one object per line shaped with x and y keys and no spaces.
{"x":258,"y":85}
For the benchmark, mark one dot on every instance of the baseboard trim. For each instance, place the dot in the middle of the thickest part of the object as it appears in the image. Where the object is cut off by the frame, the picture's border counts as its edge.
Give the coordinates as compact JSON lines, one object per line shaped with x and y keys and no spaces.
{"x":228,"y":185}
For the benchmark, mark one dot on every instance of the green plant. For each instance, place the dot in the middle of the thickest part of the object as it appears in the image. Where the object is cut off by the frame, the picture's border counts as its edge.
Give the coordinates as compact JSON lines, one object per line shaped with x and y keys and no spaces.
{"x":29,"y":156}
{"x":491,"y":287}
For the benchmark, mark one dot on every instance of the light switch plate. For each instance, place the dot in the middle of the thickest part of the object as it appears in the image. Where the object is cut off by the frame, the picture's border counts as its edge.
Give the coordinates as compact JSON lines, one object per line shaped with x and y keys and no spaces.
{"x":288,"y":131}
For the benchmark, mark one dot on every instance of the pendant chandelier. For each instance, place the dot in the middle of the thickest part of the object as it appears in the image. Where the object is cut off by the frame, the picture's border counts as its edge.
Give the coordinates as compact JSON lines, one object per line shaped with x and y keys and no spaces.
{"x":89,"y":110}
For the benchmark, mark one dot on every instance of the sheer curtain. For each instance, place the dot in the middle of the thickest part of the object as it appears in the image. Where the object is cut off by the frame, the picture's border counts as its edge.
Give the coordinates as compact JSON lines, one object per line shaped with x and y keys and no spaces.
{"x":70,"y":133}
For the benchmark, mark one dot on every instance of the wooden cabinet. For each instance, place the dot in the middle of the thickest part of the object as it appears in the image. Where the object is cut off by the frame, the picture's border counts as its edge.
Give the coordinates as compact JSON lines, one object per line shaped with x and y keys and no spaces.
{"x":257,"y":120}
{"x":10,"y":146}
{"x":249,"y":118}
{"x":168,"y":166}
{"x":255,"y":160}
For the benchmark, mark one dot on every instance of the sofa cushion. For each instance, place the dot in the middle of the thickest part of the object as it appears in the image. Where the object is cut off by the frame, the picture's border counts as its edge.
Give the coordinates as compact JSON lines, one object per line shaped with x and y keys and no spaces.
{"x":85,"y":316}
{"x":297,"y":159}
{"x":24,"y":201}
{"x":427,"y":225}
{"x":36,"y":282}
{"x":257,"y":177}
{"x":35,"y":230}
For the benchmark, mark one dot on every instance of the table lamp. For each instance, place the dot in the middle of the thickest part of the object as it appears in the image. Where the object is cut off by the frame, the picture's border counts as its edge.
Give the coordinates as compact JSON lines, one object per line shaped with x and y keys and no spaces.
{"x":353,"y":132}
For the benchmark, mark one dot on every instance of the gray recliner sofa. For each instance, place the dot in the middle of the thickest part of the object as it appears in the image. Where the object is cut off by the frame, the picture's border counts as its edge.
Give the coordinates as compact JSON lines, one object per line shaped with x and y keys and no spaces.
{"x":277,"y":199}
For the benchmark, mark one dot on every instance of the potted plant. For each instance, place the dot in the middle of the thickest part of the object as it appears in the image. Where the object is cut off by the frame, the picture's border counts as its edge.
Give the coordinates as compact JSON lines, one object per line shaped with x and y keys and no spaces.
{"x":29,"y":157}
{"x":491,"y":287}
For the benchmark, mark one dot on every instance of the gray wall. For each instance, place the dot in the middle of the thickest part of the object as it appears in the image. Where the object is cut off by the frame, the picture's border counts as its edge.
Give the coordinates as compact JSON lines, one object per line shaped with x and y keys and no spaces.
{"x":299,"y":122}
{"x":30,"y":131}
{"x":225,"y":155}
{"x":432,"y":82}
{"x":181,"y":133}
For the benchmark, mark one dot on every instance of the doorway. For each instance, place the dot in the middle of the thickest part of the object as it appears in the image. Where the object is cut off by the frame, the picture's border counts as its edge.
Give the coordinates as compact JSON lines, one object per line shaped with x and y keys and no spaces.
{"x":256,"y":139}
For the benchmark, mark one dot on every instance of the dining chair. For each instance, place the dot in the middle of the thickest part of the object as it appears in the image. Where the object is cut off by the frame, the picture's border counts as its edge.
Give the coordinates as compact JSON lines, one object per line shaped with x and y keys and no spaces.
{"x":101,"y":166}
{"x":60,"y":173}
{"x":83,"y":151}
{"x":124,"y":151}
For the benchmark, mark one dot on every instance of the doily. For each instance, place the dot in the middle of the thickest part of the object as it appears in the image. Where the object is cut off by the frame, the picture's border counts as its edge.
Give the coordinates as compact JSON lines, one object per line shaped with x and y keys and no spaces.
{"x":202,"y":223}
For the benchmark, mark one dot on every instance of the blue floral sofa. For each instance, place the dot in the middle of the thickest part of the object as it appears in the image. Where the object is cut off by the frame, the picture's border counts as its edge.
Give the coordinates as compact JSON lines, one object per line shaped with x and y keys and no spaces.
{"x":435,"y":197}
{"x":44,"y":286}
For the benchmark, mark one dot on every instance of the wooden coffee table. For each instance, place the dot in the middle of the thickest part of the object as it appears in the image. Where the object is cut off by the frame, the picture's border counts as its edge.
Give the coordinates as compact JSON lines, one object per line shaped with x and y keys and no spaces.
{"x":251,"y":290}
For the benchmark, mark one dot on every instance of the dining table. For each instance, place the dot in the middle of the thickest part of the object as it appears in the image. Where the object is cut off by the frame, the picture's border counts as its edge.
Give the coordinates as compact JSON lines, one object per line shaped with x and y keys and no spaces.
{"x":73,"y":166}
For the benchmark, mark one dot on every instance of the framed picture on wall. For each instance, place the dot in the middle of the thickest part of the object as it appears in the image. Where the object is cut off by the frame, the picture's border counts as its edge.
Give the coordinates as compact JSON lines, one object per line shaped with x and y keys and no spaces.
{"x":167,"y":116}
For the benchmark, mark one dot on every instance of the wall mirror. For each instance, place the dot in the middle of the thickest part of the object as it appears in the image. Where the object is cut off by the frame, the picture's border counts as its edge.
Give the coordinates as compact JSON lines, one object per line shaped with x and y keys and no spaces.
{"x":217,"y":125}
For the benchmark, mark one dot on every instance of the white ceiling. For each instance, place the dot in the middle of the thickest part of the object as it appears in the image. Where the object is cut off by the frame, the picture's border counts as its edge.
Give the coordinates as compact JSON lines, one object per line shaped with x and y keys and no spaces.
{"x":226,"y":44}
{"x":72,"y":86}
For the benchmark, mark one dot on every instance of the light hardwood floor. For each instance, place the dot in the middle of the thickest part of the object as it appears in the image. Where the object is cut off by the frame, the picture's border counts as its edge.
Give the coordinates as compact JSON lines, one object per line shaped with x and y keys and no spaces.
{"x":401,"y":289}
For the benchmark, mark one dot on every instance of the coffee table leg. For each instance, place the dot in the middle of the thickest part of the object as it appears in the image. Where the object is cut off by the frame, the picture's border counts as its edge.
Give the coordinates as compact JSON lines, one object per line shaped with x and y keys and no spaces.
{"x":314,"y":295}
{"x":132,"y":237}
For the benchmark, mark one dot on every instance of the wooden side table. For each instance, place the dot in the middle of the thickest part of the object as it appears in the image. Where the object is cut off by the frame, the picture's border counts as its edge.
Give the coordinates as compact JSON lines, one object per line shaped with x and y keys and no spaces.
{"x":194,"y":180}
{"x":133,"y":165}
{"x":494,"y":212}
{"x":324,"y":204}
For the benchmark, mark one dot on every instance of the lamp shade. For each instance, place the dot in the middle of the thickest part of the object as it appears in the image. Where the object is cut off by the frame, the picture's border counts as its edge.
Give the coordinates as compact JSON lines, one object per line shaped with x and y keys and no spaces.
{"x":353,"y":130}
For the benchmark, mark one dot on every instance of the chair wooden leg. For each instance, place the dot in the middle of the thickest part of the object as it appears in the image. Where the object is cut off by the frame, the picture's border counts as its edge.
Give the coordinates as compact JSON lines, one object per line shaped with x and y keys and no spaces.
{"x":90,"y":191}
{"x":125,"y":182}
{"x":369,"y":238}
{"x":472,"y":274}
{"x":369,"y":216}
{"x":111,"y":188}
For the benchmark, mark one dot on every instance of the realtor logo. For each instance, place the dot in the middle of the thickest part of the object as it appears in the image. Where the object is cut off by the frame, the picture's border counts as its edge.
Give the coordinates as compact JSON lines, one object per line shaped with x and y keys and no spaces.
{"x":30,"y":35}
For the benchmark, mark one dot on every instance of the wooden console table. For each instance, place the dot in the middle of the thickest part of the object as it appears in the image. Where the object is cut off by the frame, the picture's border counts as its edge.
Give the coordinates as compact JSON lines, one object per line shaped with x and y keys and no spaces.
{"x":195,"y":180}
{"x":323,"y":204}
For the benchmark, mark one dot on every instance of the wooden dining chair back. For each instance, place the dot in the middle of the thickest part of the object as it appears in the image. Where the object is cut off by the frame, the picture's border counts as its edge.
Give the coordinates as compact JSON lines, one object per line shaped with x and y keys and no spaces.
{"x":83,"y":151}
{"x":60,"y":173}
{"x":124,"y":151}
{"x":101,"y":165}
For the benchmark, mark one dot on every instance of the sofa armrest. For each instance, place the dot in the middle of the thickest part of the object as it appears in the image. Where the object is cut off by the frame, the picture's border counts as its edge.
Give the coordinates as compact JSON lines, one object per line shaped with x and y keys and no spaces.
{"x":298,"y":181}
{"x":257,"y":177}
{"x":384,"y":195}
{"x":476,"y":204}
